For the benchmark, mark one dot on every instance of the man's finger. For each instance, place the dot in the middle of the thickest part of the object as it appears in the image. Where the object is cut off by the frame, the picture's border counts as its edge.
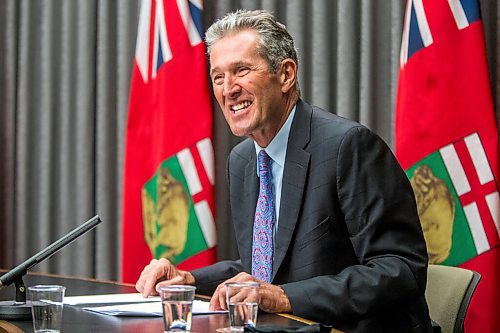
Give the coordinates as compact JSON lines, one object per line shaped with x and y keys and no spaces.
{"x":139,"y":285}
{"x":150,"y":281}
{"x":149,"y":287}
{"x":214,"y":302}
{"x":175,"y":280}
{"x":142,"y":280}
{"x":222,"y":298}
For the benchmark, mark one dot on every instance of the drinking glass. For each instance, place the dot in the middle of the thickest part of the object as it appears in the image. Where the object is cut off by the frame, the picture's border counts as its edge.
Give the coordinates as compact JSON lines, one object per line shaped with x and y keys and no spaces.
{"x":177,"y":303}
{"x":243,"y":302}
{"x":46,"y":307}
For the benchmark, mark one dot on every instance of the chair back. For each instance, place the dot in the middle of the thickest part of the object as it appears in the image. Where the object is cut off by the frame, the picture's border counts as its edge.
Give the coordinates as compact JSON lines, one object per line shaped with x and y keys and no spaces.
{"x":448,"y":294}
{"x":6,"y":327}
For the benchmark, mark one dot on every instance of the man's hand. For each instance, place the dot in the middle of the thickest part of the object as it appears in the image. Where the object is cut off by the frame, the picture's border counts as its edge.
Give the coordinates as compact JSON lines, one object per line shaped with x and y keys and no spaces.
{"x":272,"y":297}
{"x":164,"y":271}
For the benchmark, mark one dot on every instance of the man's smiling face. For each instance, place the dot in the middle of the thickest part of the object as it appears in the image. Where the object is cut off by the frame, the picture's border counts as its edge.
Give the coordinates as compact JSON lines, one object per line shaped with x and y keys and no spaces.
{"x":249,"y":95}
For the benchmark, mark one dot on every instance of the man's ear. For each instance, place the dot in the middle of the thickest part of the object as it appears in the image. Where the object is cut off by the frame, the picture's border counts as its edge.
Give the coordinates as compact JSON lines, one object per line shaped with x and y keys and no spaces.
{"x":288,"y":75}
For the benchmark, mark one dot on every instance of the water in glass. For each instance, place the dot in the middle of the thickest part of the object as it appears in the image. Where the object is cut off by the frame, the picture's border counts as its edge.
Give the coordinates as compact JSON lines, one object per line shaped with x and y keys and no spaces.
{"x":46,"y":316}
{"x":241,"y":314}
{"x":177,"y":315}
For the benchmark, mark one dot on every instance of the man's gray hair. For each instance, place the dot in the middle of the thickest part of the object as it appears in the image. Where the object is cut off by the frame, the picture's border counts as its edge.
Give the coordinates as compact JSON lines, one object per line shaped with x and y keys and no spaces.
{"x":275,"y":44}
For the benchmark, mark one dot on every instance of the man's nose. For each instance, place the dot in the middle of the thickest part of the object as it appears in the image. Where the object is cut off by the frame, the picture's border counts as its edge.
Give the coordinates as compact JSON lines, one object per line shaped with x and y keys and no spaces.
{"x":231,"y":88}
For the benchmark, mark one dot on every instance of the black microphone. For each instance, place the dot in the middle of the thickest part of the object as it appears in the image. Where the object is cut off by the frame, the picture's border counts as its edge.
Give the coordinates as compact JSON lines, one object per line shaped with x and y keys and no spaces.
{"x":15,"y":275}
{"x":23,"y":267}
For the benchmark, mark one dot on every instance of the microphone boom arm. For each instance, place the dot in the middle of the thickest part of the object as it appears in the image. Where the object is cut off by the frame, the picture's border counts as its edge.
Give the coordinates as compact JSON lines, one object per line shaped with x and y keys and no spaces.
{"x":20,"y":270}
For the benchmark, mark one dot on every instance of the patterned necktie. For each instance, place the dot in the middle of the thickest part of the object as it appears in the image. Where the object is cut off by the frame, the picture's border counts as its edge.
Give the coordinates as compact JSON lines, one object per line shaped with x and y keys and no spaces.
{"x":262,"y":246}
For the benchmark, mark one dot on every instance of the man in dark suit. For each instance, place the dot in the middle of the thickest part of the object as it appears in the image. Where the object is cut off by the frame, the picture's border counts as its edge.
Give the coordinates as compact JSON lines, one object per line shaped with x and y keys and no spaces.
{"x":324,"y":217}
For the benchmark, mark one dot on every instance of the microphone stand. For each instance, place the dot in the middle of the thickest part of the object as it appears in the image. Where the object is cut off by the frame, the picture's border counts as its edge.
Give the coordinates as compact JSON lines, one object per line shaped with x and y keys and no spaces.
{"x":19,"y":309}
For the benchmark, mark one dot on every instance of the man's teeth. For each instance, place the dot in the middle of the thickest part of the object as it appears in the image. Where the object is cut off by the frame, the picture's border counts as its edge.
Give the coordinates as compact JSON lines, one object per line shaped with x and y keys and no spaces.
{"x":240,"y":106}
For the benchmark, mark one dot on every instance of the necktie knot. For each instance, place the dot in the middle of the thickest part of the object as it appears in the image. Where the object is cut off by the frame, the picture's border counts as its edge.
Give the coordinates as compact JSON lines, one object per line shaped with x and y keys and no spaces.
{"x":264,"y":162}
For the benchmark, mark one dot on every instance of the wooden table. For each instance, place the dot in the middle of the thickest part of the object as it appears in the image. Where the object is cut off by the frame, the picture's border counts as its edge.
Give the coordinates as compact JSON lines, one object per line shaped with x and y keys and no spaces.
{"x":77,"y":320}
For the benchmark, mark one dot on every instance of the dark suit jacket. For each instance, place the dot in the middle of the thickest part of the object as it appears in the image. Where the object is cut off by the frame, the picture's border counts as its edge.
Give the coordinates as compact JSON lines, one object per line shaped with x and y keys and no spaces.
{"x":349,"y":249}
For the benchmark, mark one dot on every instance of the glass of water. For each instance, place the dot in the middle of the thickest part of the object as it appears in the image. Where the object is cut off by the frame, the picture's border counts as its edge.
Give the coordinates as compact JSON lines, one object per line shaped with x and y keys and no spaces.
{"x":46,"y":307}
{"x":243,"y":302}
{"x":177,"y":303}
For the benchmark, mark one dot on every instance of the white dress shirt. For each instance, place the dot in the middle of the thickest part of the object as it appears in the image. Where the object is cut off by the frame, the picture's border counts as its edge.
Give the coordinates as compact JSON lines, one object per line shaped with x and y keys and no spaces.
{"x":277,"y":152}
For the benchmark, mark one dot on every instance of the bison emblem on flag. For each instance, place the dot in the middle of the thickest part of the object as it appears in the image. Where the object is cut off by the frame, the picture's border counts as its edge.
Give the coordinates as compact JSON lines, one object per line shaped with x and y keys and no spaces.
{"x":456,"y":194}
{"x":175,"y":208}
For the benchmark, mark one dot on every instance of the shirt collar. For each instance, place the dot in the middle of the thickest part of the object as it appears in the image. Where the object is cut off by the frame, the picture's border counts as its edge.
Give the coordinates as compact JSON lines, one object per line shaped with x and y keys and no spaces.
{"x":277,"y":148}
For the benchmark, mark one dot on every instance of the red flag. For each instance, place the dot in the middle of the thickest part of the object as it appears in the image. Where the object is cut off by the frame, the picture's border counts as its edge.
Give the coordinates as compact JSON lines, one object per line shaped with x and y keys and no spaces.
{"x":168,"y":207}
{"x":447,"y":141}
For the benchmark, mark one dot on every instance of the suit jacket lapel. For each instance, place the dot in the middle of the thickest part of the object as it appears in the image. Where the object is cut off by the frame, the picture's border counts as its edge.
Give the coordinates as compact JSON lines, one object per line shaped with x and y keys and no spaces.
{"x":294,"y":179}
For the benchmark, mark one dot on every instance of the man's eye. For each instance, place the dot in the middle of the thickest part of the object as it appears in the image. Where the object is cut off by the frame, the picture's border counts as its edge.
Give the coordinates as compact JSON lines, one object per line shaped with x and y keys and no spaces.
{"x":218,"y":80}
{"x":243,"y":71}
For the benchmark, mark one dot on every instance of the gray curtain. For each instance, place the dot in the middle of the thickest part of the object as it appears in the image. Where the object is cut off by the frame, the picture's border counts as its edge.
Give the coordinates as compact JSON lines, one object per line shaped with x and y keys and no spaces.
{"x":64,"y":83}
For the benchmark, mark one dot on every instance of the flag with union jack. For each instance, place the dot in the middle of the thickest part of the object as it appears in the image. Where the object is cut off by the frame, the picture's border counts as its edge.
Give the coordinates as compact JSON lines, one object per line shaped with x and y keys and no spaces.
{"x":447,"y":141}
{"x":168,"y":205}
